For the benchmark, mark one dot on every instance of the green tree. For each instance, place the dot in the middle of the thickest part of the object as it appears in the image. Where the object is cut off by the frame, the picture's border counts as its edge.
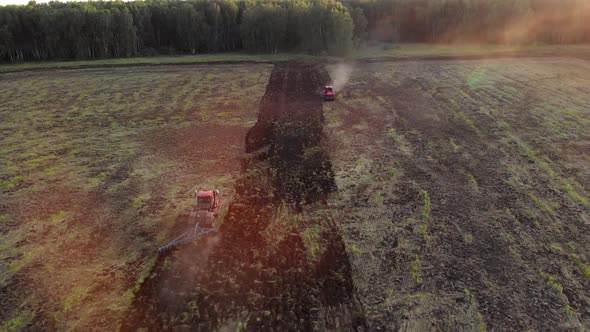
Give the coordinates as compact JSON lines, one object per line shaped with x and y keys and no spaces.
{"x":360,"y":25}
{"x":264,"y":28}
{"x":124,"y":37}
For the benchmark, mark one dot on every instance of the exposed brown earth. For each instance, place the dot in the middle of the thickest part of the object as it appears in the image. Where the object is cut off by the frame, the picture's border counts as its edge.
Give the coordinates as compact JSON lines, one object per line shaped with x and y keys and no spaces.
{"x":256,"y":273}
{"x":108,"y":161}
{"x":431,"y":195}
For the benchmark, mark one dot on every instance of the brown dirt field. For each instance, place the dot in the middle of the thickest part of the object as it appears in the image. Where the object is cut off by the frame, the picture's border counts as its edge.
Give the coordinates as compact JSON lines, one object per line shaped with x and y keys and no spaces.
{"x":431,"y":195}
{"x":257,"y":273}
{"x":462,"y":202}
{"x":108,"y":160}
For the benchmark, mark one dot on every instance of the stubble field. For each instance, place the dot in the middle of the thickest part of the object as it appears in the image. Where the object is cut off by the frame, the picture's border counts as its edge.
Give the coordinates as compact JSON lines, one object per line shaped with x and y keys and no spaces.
{"x":463,"y":192}
{"x":97,"y":169}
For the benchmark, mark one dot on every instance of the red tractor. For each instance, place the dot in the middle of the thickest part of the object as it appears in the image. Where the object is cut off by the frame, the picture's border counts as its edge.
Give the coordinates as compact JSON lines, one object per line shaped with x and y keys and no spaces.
{"x":206,"y":209}
{"x":202,"y":219}
{"x":328,"y":93}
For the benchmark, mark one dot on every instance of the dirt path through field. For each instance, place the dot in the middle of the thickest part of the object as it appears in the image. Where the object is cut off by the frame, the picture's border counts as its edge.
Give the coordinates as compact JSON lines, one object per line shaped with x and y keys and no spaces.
{"x":256,"y":272}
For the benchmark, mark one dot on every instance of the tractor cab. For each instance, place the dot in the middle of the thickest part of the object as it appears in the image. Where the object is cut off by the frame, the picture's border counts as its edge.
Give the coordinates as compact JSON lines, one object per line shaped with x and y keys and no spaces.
{"x":328,"y":92}
{"x":206,"y":208}
{"x":208,"y":200}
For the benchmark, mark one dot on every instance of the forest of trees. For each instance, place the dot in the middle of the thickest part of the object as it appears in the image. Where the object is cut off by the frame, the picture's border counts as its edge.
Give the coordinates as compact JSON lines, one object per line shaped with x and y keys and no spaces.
{"x":93,"y":30}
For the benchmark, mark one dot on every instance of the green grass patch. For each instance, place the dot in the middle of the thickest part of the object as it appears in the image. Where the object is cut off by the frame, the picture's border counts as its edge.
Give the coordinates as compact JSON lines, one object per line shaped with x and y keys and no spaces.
{"x":569,"y":311}
{"x":556,"y":249}
{"x":122,"y":302}
{"x":454,"y":104}
{"x":18,"y":264}
{"x":221,"y":182}
{"x":390,"y":297}
{"x":139,"y":202}
{"x":38,"y":161}
{"x":477,"y":77}
{"x":160,"y":60}
{"x":392,"y":172}
{"x":454,"y":145}
{"x":467,"y":293}
{"x":12,"y":183}
{"x":541,"y":205}
{"x":59,"y":216}
{"x":527,"y":150}
{"x":49,"y":171}
{"x":479,"y":317}
{"x":355,"y":250}
{"x":416,"y":271}
{"x":400,"y":142}
{"x":585,"y":269}
{"x":574,"y":195}
{"x":312,"y":240}
{"x":552,"y":281}
{"x":242,"y":326}
{"x":423,"y":231}
{"x":379,"y":199}
{"x":427,"y":204}
{"x":543,"y":165}
{"x":473,"y":182}
{"x":18,"y":323}
{"x":74,"y":298}
{"x":466,"y":120}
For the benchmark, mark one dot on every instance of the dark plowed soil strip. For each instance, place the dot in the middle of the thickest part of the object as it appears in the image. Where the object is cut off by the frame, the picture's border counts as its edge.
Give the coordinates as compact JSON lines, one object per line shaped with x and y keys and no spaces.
{"x":249,"y":275}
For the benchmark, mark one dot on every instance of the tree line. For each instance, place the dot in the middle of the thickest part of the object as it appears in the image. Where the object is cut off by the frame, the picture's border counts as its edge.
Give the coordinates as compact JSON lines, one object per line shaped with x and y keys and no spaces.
{"x":93,"y":30}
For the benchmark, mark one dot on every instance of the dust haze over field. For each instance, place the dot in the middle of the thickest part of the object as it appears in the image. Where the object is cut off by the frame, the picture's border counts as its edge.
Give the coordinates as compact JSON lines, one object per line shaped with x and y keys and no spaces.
{"x":502,"y":22}
{"x":568,"y":22}
{"x":340,"y":74}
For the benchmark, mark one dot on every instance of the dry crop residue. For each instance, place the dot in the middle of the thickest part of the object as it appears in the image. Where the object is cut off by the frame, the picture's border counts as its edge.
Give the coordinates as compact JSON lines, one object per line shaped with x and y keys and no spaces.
{"x":466,"y":208}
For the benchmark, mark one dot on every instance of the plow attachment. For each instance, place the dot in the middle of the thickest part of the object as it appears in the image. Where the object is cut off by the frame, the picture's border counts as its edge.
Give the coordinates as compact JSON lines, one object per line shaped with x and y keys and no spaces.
{"x":187,"y":236}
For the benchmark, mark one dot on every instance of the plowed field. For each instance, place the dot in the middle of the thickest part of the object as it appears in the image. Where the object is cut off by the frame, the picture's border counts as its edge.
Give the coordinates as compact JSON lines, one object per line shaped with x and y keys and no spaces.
{"x":463,"y":192}
{"x":449,"y":195}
